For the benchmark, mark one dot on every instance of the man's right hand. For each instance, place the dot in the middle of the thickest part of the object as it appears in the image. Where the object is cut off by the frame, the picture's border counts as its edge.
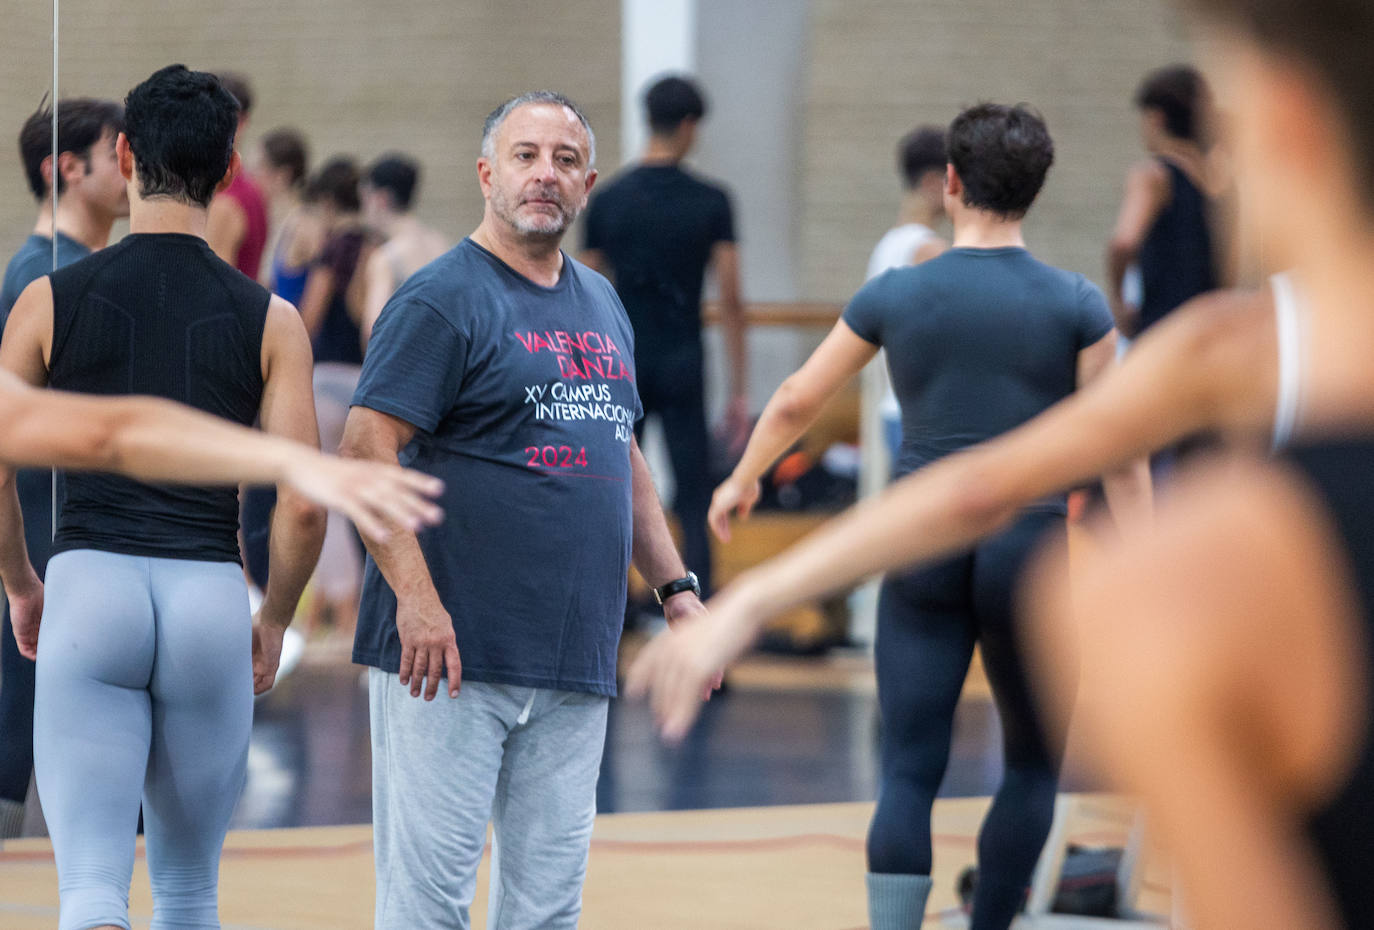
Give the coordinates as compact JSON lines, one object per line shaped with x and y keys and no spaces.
{"x":428,"y":647}
{"x":26,"y":612}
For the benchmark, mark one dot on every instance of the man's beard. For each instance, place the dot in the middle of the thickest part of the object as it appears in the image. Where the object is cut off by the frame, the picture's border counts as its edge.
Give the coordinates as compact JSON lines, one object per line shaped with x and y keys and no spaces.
{"x":540,"y":224}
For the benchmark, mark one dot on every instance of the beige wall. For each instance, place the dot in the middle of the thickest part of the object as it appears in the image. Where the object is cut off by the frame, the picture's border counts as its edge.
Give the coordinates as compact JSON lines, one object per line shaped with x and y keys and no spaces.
{"x":880,"y":66}
{"x":361,"y":77}
{"x":358,"y":77}
{"x":25,"y":75}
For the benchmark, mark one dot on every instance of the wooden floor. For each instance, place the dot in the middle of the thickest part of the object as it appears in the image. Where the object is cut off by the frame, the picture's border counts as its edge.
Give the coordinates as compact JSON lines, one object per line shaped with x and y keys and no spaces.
{"x":795,"y":867}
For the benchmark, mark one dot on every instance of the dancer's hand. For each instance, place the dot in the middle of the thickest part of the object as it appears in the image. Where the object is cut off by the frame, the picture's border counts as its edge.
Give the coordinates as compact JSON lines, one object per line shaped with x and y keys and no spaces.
{"x":732,"y":497}
{"x":267,"y":640}
{"x":428,"y":646}
{"x":371,"y":494}
{"x":26,"y":612}
{"x":678,"y":667}
{"x":682,"y":608}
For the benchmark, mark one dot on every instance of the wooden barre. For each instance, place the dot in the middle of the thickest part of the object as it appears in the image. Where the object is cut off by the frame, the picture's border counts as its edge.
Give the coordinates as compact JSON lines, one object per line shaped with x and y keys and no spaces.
{"x":779,"y":314}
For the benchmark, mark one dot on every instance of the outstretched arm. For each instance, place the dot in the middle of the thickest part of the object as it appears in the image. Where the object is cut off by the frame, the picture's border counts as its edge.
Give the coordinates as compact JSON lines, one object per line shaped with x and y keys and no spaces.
{"x":789,"y":413}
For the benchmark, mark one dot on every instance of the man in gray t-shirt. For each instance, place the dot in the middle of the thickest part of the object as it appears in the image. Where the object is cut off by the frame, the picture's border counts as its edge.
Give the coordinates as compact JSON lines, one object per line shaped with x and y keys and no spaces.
{"x":91,"y":196}
{"x":507,"y":368}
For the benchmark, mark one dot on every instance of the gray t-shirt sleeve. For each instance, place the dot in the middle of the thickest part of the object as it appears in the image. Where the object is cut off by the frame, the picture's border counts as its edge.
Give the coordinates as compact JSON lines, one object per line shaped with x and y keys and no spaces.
{"x":1094,"y":316}
{"x":415,"y":363}
{"x":865,"y":312}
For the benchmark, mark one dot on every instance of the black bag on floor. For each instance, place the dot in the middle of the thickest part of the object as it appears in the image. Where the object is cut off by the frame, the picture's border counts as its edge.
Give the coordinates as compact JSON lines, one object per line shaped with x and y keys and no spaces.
{"x":1087,"y":883}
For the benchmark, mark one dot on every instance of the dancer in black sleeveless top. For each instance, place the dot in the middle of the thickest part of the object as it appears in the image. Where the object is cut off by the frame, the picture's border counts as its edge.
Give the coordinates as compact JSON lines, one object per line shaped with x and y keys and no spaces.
{"x":156,"y":314}
{"x":1164,"y":225}
{"x":147,"y":648}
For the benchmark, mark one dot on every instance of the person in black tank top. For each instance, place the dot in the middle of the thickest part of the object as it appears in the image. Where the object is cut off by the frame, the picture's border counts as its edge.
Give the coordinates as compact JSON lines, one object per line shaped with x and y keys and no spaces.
{"x":1176,"y":262}
{"x":156,"y":314}
{"x":330,"y":308}
{"x":147,"y":649}
{"x":1164,"y":225}
{"x":330,"y":318}
{"x":1228,"y":657}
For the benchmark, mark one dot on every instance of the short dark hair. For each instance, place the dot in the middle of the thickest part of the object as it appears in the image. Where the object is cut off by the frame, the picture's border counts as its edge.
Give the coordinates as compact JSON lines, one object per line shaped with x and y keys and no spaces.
{"x":672,"y":100}
{"x":1332,"y":38}
{"x":286,"y":148}
{"x":1001,"y":155}
{"x":492,"y":124}
{"x":1180,"y":94}
{"x":237,"y":84}
{"x":81,"y":123}
{"x":180,"y":125}
{"x":337,"y":183}
{"x":396,"y":174}
{"x":921,"y":150}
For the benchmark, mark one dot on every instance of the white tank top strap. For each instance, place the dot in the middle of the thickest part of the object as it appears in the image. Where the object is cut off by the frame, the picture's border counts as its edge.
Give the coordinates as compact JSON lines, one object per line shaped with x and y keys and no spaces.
{"x":1288,"y":317}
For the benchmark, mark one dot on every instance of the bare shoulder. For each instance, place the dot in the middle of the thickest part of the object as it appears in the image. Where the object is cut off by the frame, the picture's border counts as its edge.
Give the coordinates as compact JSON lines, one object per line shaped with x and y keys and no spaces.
{"x":28,"y":328}
{"x":283,"y":333}
{"x":36,"y":298}
{"x":1149,"y":174}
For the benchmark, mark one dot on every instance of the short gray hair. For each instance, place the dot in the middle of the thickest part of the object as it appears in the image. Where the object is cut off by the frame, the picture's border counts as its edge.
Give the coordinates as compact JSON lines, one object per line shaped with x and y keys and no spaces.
{"x":498,"y":116}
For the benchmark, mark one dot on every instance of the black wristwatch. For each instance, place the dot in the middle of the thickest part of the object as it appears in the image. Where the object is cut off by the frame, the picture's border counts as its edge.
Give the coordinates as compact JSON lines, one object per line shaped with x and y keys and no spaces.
{"x":688,"y":583}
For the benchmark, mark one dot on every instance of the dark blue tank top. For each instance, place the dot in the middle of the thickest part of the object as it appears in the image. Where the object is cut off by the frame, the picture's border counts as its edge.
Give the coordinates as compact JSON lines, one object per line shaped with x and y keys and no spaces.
{"x":1342,"y":830}
{"x":288,"y":283}
{"x":1176,"y":260}
{"x":159,"y":315}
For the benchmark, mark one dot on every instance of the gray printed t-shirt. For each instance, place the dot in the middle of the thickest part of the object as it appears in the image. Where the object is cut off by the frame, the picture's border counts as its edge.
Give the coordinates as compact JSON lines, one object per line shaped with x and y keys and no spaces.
{"x":525,"y":403}
{"x":978,"y":342}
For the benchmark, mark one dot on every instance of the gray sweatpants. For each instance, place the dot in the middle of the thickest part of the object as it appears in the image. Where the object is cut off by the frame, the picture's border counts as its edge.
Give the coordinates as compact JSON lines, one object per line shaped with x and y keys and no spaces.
{"x":144,"y":692}
{"x":525,"y":759}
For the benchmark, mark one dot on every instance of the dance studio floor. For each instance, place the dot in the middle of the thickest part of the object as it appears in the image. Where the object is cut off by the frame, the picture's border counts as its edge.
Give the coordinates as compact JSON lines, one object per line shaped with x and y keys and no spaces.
{"x":756,"y":821}
{"x":794,"y":867}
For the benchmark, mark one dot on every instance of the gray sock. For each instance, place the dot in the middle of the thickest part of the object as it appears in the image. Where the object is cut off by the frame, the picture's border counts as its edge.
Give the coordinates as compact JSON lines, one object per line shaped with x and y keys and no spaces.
{"x":11,"y":818}
{"x":897,"y":902}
